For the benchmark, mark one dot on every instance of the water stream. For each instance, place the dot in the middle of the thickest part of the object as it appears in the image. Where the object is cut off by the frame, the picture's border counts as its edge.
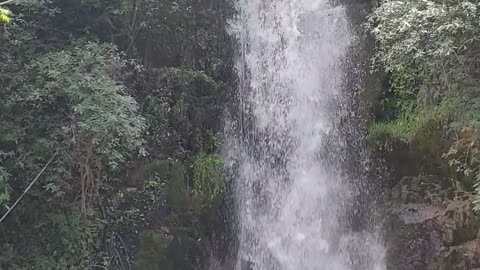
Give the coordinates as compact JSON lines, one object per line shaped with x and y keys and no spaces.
{"x":289,"y":196}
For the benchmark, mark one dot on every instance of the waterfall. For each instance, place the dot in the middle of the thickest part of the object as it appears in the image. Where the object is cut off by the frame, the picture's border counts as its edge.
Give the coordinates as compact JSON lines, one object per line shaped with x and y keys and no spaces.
{"x":289,"y":192}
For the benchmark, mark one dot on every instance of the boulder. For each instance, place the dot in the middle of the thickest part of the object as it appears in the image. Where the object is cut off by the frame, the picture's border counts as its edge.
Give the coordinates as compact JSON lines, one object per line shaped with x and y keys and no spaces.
{"x":431,"y":226}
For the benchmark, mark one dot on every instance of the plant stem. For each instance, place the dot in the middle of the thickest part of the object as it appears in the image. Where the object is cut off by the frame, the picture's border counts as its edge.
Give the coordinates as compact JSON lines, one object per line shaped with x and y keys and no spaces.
{"x":28,"y":188}
{"x":6,"y":2}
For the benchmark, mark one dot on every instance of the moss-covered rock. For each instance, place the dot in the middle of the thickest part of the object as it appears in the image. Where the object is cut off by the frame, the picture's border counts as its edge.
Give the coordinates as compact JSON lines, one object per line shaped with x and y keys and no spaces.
{"x":153,"y":251}
{"x":461,"y":257}
{"x":432,"y":226}
{"x":466,"y":233}
{"x":160,"y":250}
{"x":173,"y":173}
{"x":177,"y":193}
{"x":423,"y":189}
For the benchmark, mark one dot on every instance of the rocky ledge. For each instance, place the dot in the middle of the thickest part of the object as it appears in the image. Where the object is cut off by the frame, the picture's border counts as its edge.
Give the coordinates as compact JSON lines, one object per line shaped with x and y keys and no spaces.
{"x":431,"y":226}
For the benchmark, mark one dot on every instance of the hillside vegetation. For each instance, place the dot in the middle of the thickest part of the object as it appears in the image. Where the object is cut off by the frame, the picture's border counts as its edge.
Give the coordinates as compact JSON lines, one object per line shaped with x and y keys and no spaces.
{"x":430,"y":50}
{"x":119,"y":102}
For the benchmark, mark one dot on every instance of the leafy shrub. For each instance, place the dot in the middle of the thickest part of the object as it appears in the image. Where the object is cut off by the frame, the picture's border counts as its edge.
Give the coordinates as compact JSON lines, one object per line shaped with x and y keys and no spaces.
{"x":430,"y":49}
{"x":428,"y":33}
{"x":72,"y":100}
{"x":426,"y":45}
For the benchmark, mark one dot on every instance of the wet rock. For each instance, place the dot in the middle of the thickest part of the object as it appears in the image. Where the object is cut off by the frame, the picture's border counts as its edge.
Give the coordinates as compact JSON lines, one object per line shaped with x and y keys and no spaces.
{"x":464,"y":256}
{"x":423,"y":189}
{"x":432,"y":226}
{"x":247,"y":265}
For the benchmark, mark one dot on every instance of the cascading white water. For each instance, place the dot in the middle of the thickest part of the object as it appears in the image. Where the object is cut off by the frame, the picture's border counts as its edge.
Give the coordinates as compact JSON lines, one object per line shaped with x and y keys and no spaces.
{"x":288,"y":196}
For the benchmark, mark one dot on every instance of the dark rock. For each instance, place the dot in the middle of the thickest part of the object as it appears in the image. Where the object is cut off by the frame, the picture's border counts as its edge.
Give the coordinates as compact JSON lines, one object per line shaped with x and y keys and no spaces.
{"x":431,"y":227}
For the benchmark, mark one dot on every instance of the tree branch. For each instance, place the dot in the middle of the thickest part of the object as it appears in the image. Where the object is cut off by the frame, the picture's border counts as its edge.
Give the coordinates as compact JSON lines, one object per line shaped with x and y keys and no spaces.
{"x":6,"y":2}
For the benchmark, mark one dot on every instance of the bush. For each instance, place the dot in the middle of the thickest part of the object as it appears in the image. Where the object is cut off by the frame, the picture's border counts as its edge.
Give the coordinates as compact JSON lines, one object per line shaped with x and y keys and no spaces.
{"x":431,"y":50}
{"x":209,"y":184}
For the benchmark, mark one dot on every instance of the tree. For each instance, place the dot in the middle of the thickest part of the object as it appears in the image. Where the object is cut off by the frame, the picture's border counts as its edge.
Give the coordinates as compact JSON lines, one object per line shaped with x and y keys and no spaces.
{"x":425,"y":44}
{"x":68,"y":102}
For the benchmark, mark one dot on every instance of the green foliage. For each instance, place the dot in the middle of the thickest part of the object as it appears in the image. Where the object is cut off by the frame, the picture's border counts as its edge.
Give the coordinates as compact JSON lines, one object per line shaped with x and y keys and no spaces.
{"x":5,"y":15}
{"x":161,"y":251}
{"x":177,"y":193}
{"x":66,"y":89}
{"x":430,"y":49}
{"x":404,"y":128}
{"x":464,"y":158}
{"x":428,"y":32}
{"x":209,"y":184}
{"x":65,"y":239}
{"x":424,"y":44}
{"x":192,"y":30}
{"x":79,"y":82}
{"x":4,"y":187}
{"x":153,"y":251}
{"x":75,"y":239}
{"x":68,"y":101}
{"x":188,"y":104}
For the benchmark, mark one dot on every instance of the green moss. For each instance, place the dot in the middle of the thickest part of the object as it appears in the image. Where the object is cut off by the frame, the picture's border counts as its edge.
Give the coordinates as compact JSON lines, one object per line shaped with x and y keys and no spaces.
{"x":177,"y":193}
{"x":419,"y":138}
{"x":466,"y":233}
{"x":184,"y":252}
{"x":452,"y":260}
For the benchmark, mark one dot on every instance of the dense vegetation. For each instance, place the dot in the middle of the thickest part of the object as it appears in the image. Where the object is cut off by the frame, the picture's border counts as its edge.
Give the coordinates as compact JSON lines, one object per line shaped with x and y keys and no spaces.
{"x":430,"y":50}
{"x":110,"y":122}
{"x":124,"y":98}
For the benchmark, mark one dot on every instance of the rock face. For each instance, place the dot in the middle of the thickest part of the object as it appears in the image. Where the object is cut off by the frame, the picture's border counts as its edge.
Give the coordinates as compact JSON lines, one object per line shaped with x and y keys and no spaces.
{"x":431,"y":226}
